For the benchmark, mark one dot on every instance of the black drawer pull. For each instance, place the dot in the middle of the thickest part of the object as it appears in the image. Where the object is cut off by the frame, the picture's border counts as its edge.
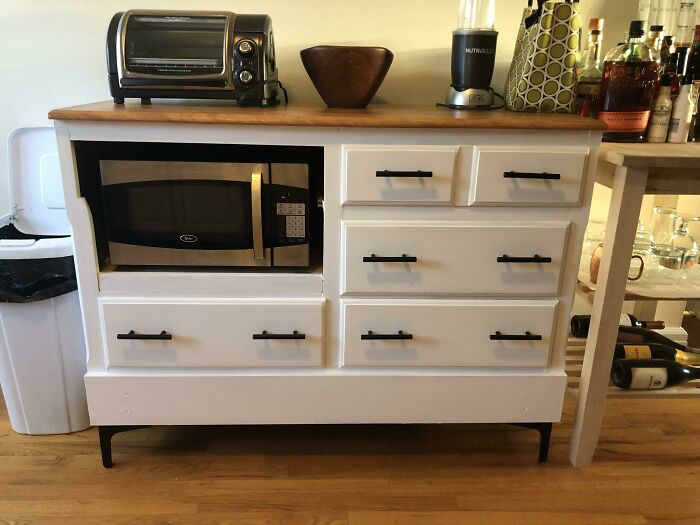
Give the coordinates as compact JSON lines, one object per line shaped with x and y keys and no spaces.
{"x":498,"y":336}
{"x":293,"y":336}
{"x":401,"y":336}
{"x":405,"y":174}
{"x":403,"y":259}
{"x":535,"y":259}
{"x":163,"y":336}
{"x":525,"y":175}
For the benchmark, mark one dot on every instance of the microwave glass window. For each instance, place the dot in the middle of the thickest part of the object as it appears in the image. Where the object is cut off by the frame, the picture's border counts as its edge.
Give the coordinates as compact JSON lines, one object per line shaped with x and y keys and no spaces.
{"x":186,"y":214}
{"x":222,"y":209}
{"x":155,"y":45}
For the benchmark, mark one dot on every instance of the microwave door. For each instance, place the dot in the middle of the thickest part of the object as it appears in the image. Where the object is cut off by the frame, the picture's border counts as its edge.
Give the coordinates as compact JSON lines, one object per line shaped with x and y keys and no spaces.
{"x":222,"y":221}
{"x":186,"y":213}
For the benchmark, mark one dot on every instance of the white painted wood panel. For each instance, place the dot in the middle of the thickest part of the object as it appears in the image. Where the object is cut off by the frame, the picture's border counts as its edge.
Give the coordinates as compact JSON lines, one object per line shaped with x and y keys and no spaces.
{"x":256,"y":399}
{"x":362,"y":164}
{"x":453,"y":258}
{"x":209,"y":284}
{"x":491,"y":186}
{"x":447,"y":333}
{"x":213,"y":334}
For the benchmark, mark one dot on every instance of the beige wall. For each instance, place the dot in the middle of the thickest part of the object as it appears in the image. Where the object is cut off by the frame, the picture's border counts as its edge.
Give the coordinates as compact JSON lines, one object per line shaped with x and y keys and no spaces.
{"x":52,"y":53}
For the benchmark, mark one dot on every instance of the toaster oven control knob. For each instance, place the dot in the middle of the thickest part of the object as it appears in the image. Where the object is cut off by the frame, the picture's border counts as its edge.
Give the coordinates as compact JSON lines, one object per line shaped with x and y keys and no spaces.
{"x":246,"y":77}
{"x":246,"y":48}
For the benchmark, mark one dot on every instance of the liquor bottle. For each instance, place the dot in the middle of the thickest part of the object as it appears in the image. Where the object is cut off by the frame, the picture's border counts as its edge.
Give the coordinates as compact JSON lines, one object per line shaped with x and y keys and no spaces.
{"x":682,"y":115}
{"x":651,"y":374}
{"x":594,"y":25}
{"x":655,"y":351}
{"x":629,"y":85}
{"x":653,"y":40}
{"x":581,"y":323}
{"x":668,"y":46}
{"x":591,"y":75}
{"x":671,"y":76}
{"x":661,"y":112}
{"x":692,"y":70}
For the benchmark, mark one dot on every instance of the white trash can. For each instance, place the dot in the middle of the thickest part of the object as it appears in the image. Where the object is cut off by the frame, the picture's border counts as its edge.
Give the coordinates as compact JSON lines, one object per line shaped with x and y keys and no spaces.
{"x":42,"y":346}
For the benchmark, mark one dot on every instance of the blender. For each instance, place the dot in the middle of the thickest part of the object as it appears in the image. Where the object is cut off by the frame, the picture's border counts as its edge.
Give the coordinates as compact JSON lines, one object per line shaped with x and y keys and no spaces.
{"x":473,"y":56}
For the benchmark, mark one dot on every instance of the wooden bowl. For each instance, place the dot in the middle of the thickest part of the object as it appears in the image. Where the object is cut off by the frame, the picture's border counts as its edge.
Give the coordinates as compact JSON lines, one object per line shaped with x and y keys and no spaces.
{"x":347,"y":76}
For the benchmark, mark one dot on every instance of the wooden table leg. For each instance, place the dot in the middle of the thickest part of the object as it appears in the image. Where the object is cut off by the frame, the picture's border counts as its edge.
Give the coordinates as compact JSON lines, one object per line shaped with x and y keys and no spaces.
{"x":628,"y":190}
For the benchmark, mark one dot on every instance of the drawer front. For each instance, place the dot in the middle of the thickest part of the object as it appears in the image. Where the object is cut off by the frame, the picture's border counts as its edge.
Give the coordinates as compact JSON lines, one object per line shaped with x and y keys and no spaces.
{"x":453,"y":258}
{"x":399,"y":174}
{"x":208,"y":335}
{"x":494,"y":334}
{"x":511,"y":177}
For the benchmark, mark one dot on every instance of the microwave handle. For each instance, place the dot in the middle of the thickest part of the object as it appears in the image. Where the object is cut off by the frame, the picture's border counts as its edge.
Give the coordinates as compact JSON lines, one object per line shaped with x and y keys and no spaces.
{"x":256,"y":204}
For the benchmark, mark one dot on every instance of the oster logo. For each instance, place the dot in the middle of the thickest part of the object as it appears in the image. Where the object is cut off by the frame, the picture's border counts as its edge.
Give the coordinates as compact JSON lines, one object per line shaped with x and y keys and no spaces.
{"x":189,"y":238}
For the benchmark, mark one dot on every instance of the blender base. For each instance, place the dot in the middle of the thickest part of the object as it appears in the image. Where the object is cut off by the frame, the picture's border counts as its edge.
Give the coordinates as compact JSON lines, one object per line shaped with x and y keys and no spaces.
{"x":472,"y":98}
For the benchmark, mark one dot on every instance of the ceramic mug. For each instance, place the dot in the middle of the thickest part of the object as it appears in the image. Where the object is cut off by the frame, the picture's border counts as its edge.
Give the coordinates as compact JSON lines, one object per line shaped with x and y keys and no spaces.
{"x":596,"y":258}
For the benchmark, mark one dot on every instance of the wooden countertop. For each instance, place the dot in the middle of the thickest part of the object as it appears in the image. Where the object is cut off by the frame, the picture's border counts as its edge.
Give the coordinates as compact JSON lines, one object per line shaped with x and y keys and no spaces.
{"x":379,"y":116}
{"x":670,"y":169}
{"x":652,"y":155}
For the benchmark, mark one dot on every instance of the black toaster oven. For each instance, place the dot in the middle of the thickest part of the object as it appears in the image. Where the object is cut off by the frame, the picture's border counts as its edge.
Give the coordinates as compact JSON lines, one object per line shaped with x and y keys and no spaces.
{"x":192,"y":54}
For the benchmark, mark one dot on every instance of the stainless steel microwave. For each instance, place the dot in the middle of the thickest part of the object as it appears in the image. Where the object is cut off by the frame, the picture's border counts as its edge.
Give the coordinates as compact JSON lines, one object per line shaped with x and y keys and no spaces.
{"x":206,"y":213}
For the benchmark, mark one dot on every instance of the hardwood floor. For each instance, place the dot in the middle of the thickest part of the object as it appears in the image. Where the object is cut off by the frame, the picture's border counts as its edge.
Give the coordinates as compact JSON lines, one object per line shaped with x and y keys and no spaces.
{"x":647,"y":471}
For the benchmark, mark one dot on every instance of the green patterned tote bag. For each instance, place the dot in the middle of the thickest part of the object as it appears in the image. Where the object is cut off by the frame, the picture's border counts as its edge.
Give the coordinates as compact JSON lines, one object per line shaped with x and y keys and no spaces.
{"x":542,"y":76}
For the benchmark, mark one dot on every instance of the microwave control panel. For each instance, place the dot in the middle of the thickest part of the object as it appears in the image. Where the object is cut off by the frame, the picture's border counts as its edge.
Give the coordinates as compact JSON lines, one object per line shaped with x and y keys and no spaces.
{"x":291,"y":212}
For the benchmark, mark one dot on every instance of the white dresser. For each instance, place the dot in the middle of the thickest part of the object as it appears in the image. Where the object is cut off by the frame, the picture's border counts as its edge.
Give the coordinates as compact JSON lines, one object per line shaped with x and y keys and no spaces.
{"x":451,"y":245}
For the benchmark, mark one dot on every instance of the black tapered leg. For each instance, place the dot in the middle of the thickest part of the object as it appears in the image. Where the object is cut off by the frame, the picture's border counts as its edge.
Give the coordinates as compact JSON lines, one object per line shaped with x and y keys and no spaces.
{"x":545,"y":430}
{"x":118,"y":100}
{"x":145,"y":101}
{"x":106,"y":433}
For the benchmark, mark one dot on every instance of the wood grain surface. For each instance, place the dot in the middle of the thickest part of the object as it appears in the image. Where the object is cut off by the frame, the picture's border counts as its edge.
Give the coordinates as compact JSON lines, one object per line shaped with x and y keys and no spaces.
{"x":646,"y":472}
{"x":674,"y":156}
{"x":378,"y":116}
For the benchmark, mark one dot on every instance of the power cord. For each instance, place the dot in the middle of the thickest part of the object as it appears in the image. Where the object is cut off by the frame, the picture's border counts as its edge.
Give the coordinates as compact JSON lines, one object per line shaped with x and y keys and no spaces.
{"x":250,"y":91}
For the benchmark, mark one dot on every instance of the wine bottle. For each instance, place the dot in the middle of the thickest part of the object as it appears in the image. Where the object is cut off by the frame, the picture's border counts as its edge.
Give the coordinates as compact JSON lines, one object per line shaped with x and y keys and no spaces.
{"x":650,"y":336}
{"x":628,"y":89}
{"x":581,"y":323}
{"x":651,"y":374}
{"x":655,"y":351}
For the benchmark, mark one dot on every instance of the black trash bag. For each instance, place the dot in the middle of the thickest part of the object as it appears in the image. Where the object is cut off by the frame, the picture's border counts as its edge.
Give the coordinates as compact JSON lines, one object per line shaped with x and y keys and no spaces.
{"x":31,"y":280}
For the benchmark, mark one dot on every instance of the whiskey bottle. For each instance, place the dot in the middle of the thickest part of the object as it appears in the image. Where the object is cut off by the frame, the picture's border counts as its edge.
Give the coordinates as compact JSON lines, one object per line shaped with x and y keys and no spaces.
{"x":655,"y":351}
{"x":652,"y":374}
{"x":627,"y":92}
{"x":581,"y":323}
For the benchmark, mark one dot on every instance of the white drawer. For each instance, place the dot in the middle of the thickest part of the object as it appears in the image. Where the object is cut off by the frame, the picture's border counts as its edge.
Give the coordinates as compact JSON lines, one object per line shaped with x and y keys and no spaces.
{"x":214,"y":334}
{"x":516,"y":177}
{"x":399,"y":174}
{"x":453,"y":257}
{"x":447,"y":333}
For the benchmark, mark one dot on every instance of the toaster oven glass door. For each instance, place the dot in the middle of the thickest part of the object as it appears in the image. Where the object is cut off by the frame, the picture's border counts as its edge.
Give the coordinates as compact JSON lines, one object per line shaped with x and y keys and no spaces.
{"x":186,"y":213}
{"x":175,"y":46}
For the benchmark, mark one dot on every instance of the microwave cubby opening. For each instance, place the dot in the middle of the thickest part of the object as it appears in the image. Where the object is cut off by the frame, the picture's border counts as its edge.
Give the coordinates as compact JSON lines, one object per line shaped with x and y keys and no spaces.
{"x":192,"y":207}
